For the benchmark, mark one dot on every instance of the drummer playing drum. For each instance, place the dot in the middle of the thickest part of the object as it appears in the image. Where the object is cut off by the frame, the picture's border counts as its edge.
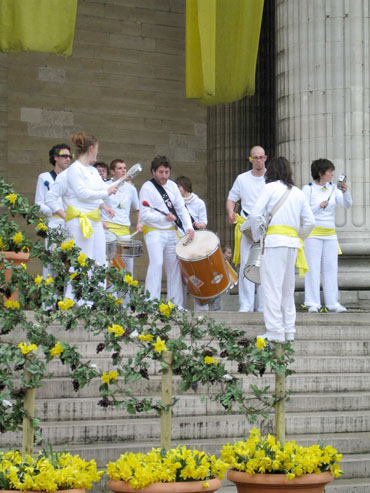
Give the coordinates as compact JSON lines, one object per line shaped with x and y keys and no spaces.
{"x":122,"y":202}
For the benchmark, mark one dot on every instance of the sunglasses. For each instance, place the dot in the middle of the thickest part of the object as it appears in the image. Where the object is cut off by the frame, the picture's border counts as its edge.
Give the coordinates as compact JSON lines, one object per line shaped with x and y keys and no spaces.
{"x":66,"y":156}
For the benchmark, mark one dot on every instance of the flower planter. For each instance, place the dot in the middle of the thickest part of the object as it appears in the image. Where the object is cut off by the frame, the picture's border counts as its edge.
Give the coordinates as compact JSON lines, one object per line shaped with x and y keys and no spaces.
{"x":16,"y":259}
{"x":270,"y":483}
{"x":181,"y":487}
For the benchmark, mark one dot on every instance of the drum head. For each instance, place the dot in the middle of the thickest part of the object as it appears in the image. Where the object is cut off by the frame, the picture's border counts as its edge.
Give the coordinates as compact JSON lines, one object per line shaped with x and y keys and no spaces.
{"x":109,"y":236}
{"x":203,"y":244}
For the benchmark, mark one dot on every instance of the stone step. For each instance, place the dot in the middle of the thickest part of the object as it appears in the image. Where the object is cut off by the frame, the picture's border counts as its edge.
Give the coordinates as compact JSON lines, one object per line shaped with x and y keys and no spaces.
{"x":194,"y":427}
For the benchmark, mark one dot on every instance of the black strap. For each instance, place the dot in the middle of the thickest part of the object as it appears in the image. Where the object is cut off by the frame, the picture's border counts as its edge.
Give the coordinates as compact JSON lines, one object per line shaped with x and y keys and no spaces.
{"x":192,"y":219}
{"x":168,"y":203}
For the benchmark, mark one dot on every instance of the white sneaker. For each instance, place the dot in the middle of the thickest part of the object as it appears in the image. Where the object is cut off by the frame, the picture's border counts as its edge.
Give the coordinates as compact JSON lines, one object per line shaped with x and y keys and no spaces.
{"x":273,"y":337}
{"x":338,"y":309}
{"x":313,"y":309}
{"x":289,"y":336}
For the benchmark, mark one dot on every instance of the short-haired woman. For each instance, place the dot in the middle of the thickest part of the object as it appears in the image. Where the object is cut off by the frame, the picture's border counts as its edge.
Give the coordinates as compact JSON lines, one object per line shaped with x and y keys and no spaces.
{"x":321,"y":247}
{"x":292,"y":220}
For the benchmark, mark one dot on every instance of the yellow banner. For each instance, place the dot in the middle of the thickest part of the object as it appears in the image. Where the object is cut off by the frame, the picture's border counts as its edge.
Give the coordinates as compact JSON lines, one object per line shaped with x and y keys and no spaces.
{"x":222,"y":38}
{"x":37,"y":25}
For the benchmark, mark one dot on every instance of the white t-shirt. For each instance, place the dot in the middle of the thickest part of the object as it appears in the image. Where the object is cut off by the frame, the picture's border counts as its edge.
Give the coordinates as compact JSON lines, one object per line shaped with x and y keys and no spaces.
{"x":121,"y":202}
{"x":197,"y":208}
{"x":325,"y":218}
{"x":247,"y":188}
{"x":44,"y":183}
{"x":295,"y":212}
{"x":155,"y":219}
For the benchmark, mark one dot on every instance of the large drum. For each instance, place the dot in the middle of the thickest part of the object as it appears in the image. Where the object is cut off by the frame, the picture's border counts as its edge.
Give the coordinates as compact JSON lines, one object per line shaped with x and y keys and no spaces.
{"x":203,"y":265}
{"x":130,"y":248}
{"x":252,"y":267}
{"x":110,"y":244}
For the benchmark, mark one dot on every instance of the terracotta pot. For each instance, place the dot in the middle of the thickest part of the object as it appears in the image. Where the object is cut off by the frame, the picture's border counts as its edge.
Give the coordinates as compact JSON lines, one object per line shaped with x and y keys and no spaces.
{"x":271,"y":483}
{"x":16,"y":259}
{"x":182,"y":487}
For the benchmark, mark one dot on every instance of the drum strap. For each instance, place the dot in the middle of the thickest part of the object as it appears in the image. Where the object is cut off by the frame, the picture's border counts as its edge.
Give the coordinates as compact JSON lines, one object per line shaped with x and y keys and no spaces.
{"x":192,"y":219}
{"x":168,"y":203}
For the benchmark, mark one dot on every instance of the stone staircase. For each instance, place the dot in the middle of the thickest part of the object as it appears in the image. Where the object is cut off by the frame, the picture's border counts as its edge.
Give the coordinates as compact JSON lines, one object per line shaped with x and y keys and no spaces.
{"x":330,"y":401}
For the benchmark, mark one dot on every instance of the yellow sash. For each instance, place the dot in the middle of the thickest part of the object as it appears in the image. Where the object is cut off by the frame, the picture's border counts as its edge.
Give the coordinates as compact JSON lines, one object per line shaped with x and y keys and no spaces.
{"x":86,"y":228}
{"x":320,"y":231}
{"x":118,"y":229}
{"x":280,"y":229}
{"x":237,"y":239}
{"x":148,"y":229}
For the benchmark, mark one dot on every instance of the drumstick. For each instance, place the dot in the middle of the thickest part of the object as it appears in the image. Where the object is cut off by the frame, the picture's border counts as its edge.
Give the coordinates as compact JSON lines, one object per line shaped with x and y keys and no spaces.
{"x":146,"y":204}
{"x":136,"y":232}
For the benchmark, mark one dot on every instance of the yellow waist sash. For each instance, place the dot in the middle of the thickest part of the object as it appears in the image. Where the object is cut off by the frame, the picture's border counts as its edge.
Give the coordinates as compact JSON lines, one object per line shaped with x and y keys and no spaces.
{"x":118,"y":229}
{"x":148,"y":229}
{"x":320,"y":231}
{"x":237,"y":239}
{"x":280,"y":229}
{"x":86,"y":228}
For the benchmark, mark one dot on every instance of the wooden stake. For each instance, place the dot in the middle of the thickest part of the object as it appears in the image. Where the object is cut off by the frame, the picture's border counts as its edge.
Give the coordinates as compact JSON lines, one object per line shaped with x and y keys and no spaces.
{"x":29,"y":407}
{"x":280,"y":404}
{"x":166,"y":416}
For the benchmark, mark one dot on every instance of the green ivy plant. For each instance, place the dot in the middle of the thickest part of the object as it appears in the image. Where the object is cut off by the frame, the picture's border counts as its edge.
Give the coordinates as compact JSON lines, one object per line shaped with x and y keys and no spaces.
{"x":204,"y":352}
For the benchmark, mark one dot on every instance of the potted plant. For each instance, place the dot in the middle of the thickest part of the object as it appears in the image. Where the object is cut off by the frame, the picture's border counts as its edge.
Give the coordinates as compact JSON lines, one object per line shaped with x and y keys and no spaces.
{"x":179,"y":470}
{"x":261,"y":464}
{"x":46,"y":472}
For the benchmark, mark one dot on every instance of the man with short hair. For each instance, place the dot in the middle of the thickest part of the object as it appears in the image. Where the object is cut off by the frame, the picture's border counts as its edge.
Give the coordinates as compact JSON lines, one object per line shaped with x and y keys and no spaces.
{"x":162,"y":209}
{"x":60,"y":157}
{"x":247,"y":187}
{"x":103,"y":170}
{"x":121,"y":203}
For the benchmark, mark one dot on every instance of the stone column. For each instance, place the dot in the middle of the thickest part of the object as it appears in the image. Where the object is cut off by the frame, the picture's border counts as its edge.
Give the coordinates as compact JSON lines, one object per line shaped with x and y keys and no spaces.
{"x":322,"y":106}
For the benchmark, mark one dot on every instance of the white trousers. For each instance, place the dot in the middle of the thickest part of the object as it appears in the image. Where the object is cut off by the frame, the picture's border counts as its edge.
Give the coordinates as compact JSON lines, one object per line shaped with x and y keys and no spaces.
{"x":278,"y":282}
{"x":322,"y":256}
{"x":247,"y":288}
{"x":161,"y":247}
{"x":93,"y":247}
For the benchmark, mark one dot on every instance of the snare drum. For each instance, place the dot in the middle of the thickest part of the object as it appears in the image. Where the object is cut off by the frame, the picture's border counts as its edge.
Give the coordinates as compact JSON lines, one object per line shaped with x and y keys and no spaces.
{"x":130,"y":248}
{"x":110,"y":244}
{"x":203,"y":265}
{"x":252,"y":267}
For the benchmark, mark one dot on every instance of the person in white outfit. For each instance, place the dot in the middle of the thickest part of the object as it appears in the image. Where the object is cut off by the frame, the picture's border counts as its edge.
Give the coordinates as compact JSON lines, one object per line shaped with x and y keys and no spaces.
{"x":160,"y":231}
{"x":121,"y":203}
{"x":322,"y":246}
{"x":60,"y":157}
{"x":293,"y":220}
{"x":247,"y":187}
{"x":198,"y":215}
{"x":86,"y":192}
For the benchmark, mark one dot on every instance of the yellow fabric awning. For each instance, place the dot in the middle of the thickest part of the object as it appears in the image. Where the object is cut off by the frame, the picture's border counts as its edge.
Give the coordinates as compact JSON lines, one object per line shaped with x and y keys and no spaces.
{"x":37,"y":25}
{"x":222,"y":38}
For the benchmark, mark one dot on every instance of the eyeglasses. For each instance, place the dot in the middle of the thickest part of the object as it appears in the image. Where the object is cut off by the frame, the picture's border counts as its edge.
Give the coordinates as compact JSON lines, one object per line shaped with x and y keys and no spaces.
{"x":66,"y":156}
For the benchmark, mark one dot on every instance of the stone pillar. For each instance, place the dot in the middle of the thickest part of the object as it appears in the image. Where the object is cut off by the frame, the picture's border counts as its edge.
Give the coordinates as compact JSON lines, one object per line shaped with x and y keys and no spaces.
{"x":4,"y":114}
{"x":322,"y":107}
{"x":234,"y":128}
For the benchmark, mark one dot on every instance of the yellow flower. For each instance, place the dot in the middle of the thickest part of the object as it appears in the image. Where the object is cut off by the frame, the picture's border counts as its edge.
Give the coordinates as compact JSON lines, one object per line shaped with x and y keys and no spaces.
{"x":128,"y":279}
{"x":209,"y":360}
{"x":159,"y":345}
{"x":65,"y":304}
{"x":73,"y":275}
{"x":2,"y":244}
{"x":118,"y":301}
{"x":166,"y":309}
{"x":68,"y":245}
{"x":145,"y":337}
{"x":41,"y":226}
{"x":117,"y":330}
{"x":57,"y":350}
{"x":12,"y":198}
{"x":23,"y":265}
{"x":261,"y":343}
{"x":13,"y":305}
{"x":38,"y":280}
{"x":107,"y":377}
{"x":18,"y":238}
{"x":206,"y":484}
{"x":26,"y":348}
{"x":81,"y":259}
{"x":49,"y":280}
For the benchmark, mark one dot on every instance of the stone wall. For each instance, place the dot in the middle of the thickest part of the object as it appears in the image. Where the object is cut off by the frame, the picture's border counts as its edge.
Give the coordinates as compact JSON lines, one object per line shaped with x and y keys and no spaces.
{"x":125,"y":84}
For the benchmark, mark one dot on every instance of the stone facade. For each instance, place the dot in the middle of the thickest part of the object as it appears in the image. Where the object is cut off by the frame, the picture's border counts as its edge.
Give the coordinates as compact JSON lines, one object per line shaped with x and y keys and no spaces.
{"x":125,"y":84}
